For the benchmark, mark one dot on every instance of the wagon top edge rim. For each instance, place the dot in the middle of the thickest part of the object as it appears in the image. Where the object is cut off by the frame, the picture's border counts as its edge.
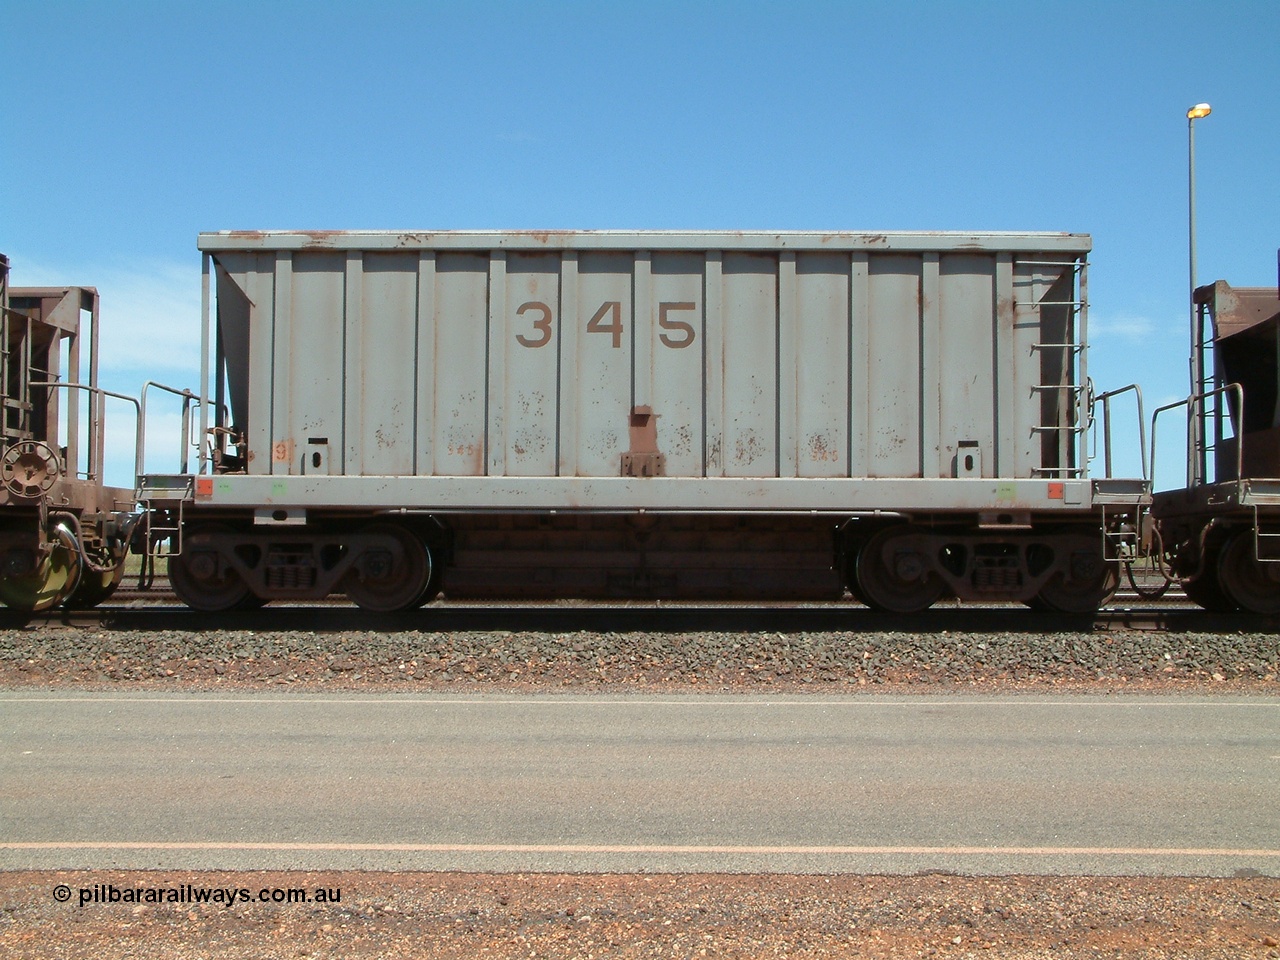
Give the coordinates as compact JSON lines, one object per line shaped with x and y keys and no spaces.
{"x":556,"y":240}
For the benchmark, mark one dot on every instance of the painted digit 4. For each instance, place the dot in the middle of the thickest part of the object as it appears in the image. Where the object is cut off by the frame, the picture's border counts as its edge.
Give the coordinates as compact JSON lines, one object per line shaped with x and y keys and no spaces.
{"x":597,"y":323}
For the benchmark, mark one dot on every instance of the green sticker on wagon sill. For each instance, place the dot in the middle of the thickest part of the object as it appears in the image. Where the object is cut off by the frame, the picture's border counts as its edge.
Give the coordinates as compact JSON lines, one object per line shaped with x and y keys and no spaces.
{"x":1006,"y":491}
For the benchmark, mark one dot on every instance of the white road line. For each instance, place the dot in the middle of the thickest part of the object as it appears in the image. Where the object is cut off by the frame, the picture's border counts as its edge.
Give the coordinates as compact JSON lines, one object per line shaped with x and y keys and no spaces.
{"x":643,"y":849}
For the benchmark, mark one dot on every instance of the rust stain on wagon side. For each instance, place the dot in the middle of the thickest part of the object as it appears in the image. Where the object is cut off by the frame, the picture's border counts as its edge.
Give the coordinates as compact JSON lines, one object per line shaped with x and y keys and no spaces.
{"x":821,"y":450}
{"x":1006,"y":312}
{"x":714,"y":458}
{"x":683,"y":444}
{"x":748,"y":448}
{"x":320,"y":239}
{"x":547,"y":237}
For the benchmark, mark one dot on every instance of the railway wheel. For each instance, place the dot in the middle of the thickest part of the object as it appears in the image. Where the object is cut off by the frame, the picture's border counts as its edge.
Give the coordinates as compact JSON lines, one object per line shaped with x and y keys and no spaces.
{"x":201,"y":578}
{"x":1089,"y":582}
{"x":1205,"y":590}
{"x":392,"y":574}
{"x":433,"y":583}
{"x":1248,"y":581}
{"x":851,"y":571}
{"x":893,"y":574}
{"x":48,"y":584}
{"x":95,"y":587}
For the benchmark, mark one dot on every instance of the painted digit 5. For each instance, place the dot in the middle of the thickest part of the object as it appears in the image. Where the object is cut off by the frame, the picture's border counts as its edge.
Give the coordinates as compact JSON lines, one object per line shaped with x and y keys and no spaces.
{"x":683,"y":327}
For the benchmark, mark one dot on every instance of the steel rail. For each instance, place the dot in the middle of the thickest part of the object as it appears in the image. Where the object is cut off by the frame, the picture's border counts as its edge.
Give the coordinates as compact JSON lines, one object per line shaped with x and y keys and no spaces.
{"x":1170,"y":615}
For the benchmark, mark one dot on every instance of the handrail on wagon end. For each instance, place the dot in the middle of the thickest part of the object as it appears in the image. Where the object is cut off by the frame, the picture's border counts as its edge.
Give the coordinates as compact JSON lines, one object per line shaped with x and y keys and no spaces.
{"x":1105,"y":400}
{"x":1193,"y":454}
{"x":102,"y":423}
{"x":187,"y":397}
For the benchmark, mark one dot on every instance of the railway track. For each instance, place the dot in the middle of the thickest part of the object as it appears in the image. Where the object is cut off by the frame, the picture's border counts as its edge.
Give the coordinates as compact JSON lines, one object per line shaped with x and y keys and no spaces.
{"x":159,"y":610}
{"x":554,"y":647}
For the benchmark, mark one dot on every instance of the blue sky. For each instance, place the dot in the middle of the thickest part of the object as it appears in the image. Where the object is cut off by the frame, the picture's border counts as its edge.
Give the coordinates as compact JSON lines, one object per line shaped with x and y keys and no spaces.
{"x":129,"y":127}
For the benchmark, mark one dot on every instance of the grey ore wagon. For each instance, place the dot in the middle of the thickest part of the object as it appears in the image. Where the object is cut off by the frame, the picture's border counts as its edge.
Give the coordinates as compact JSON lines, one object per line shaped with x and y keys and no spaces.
{"x":660,"y":414}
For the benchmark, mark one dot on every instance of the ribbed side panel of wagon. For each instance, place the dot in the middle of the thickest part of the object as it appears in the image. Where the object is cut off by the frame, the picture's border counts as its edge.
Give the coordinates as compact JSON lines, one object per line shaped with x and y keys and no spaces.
{"x":578,"y":398}
{"x":889,"y":361}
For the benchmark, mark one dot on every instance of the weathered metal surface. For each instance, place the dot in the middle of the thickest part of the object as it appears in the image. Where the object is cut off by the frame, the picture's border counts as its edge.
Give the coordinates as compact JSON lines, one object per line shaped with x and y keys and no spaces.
{"x":699,"y":556}
{"x":767,"y":240}
{"x":63,"y":534}
{"x":742,"y":495}
{"x":1246,"y":350}
{"x":754,"y":356}
{"x":43,"y":327}
{"x":1235,"y":309}
{"x":1221,"y":530}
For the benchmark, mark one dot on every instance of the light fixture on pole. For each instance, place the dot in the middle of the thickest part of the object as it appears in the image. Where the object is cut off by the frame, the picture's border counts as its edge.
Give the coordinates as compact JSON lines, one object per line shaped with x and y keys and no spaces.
{"x":1196,"y":460}
{"x":1198,"y":112}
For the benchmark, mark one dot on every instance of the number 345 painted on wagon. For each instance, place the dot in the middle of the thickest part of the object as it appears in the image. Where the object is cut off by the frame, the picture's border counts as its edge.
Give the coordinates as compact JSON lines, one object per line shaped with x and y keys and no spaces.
{"x":608,"y":319}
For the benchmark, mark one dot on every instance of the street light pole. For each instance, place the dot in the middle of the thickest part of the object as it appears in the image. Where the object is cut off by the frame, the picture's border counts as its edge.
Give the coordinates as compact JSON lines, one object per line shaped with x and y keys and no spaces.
{"x":1195,"y":456}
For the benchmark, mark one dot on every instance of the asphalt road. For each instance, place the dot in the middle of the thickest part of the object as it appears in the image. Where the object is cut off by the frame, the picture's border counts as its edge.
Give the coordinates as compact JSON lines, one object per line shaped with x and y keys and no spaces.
{"x":1123,"y":784}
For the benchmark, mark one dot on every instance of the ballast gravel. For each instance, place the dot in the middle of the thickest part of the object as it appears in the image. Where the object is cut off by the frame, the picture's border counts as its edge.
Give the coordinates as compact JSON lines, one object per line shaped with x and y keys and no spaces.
{"x":94,"y":656}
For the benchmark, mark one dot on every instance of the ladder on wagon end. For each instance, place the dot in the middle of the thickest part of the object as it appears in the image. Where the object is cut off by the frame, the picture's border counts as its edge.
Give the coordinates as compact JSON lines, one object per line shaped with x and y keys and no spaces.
{"x":1064,"y":387}
{"x":172,"y":490}
{"x":15,"y":365}
{"x":164,"y":526}
{"x":1206,"y":405}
